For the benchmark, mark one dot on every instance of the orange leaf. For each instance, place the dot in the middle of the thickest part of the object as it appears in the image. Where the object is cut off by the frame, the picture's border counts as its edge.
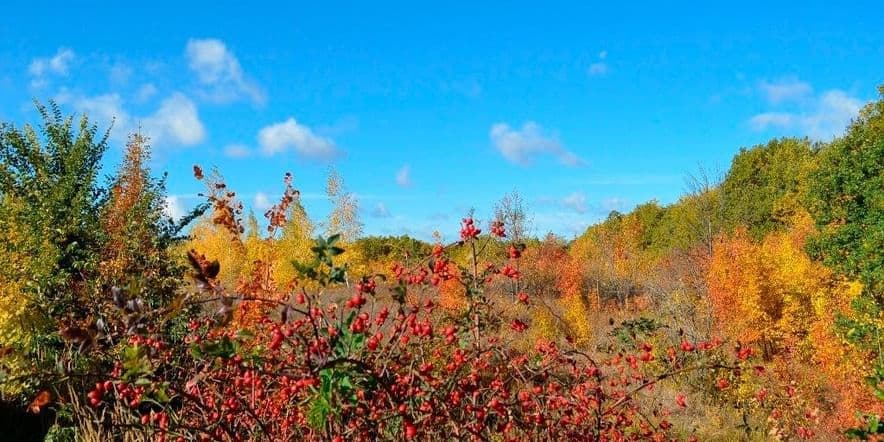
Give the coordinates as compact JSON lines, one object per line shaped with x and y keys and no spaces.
{"x":43,"y":398}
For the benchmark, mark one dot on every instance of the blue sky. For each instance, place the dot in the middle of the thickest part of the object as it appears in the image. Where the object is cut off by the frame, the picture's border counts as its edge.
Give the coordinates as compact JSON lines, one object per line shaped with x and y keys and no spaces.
{"x":428,"y":111}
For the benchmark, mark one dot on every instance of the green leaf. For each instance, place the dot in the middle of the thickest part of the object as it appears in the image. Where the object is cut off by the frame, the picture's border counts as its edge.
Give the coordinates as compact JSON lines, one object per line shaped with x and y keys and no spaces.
{"x":318,"y":410}
{"x":335,"y":251}
{"x":333,"y":239}
{"x":345,"y":383}
{"x":162,"y":397}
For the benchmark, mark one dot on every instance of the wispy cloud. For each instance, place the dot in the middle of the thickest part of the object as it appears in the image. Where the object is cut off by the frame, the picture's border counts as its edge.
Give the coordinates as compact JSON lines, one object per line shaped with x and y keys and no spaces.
{"x":380,"y":211}
{"x":614,"y":203}
{"x":120,"y":73}
{"x":820,"y":117}
{"x":576,"y":202}
{"x":220,"y":73}
{"x":237,"y":151}
{"x":105,"y":108}
{"x":42,"y":67}
{"x":145,"y":92}
{"x":567,"y":223}
{"x":403,"y":176}
{"x":600,"y":67}
{"x":277,"y":138}
{"x":772,"y":119}
{"x":520,"y":146}
{"x":784,"y":90}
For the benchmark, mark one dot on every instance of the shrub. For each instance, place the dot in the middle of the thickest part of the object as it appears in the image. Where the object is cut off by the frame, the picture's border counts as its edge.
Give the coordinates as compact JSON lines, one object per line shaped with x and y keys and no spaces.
{"x":383,"y":363}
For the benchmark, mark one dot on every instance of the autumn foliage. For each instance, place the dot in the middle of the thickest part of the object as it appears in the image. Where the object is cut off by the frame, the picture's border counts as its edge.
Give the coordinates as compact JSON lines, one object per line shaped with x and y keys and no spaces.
{"x":726,"y":315}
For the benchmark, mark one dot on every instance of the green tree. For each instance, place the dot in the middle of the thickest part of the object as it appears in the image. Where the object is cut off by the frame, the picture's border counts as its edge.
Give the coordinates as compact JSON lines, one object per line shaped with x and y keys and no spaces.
{"x":391,"y":248}
{"x":846,"y":200}
{"x":49,"y":230}
{"x":766,"y":184}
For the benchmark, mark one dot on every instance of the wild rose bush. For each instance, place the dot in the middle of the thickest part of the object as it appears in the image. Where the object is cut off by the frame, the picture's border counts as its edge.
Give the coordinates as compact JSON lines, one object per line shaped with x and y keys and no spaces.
{"x":383,"y":363}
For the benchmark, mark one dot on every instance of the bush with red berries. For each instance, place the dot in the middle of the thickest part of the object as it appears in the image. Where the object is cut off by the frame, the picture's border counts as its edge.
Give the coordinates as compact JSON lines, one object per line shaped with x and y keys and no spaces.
{"x":384,"y":363}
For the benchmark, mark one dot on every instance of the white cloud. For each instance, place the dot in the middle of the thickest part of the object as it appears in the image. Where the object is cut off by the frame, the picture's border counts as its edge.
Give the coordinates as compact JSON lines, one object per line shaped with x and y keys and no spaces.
{"x":823,"y":118}
{"x":403,"y":176}
{"x":380,"y":211}
{"x":237,"y":151}
{"x":103,"y":109}
{"x":520,"y":145}
{"x":173,"y":208}
{"x":262,"y":201}
{"x":218,"y":69}
{"x":576,"y":202}
{"x":58,"y":64}
{"x":279,"y":137}
{"x":177,"y":120}
{"x":783,"y":90}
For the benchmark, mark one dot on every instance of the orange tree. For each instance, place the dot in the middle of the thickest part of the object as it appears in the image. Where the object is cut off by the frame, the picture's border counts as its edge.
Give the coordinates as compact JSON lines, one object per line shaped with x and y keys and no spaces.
{"x":774,"y":296}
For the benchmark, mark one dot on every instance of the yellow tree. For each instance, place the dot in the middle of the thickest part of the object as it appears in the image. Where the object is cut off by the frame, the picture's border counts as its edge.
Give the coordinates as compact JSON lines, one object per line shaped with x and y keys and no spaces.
{"x":769,"y":292}
{"x":344,"y":216}
{"x":554,"y":280}
{"x":293,"y":244}
{"x":217,"y":243}
{"x":18,"y":319}
{"x":344,"y":219}
{"x":218,"y":234}
{"x":613,"y":257}
{"x":773,"y":295}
